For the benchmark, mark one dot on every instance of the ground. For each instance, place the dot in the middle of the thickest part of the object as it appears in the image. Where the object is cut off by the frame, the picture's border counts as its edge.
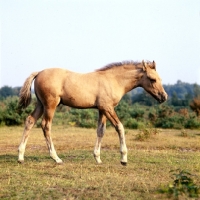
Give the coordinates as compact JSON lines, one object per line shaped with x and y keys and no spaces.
{"x":148,"y":169}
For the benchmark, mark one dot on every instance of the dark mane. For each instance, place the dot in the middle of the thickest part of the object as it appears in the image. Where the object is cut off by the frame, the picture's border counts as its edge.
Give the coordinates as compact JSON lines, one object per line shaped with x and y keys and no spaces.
{"x":118,"y":64}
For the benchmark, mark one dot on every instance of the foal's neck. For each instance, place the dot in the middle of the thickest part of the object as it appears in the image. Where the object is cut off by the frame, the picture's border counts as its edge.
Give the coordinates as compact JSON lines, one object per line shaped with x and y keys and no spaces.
{"x":129,"y":76}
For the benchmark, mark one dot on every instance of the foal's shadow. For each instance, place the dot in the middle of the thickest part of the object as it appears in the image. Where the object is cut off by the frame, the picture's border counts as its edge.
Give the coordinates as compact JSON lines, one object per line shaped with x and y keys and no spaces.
{"x":10,"y":158}
{"x":13,"y":159}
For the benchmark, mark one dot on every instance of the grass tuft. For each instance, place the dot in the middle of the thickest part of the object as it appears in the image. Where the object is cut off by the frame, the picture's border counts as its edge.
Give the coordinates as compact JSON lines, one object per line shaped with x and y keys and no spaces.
{"x":147,"y":133}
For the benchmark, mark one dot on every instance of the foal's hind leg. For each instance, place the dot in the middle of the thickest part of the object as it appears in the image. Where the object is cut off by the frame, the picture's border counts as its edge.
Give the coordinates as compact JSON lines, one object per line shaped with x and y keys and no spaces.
{"x":100,"y":132}
{"x":30,"y":121}
{"x":46,"y":127}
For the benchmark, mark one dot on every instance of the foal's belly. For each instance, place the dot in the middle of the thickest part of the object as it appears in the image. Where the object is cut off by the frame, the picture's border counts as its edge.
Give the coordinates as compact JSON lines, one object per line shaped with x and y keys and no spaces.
{"x":79,"y":101}
{"x":79,"y":91}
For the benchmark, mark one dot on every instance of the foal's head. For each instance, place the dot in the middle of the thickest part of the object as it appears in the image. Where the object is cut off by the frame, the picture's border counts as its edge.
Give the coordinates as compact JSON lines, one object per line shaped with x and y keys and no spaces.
{"x":151,"y":82}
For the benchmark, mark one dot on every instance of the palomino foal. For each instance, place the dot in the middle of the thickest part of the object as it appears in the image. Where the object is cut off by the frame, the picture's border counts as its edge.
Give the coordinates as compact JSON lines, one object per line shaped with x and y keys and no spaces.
{"x":102,"y":89}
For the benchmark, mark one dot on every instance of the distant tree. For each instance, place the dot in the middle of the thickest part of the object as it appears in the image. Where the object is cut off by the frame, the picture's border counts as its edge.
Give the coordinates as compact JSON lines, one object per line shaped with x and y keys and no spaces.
{"x":180,"y":88}
{"x":196,"y":89}
{"x":6,"y":91}
{"x":188,"y":98}
{"x":16,"y":91}
{"x":174,"y":99}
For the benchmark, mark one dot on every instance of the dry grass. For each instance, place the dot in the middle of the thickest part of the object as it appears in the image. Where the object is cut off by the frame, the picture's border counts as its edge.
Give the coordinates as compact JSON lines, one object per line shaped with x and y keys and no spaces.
{"x":81,"y":178}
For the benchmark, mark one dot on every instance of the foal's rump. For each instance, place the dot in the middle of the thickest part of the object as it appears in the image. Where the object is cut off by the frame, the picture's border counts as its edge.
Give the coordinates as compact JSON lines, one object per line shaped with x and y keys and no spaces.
{"x":57,"y":85}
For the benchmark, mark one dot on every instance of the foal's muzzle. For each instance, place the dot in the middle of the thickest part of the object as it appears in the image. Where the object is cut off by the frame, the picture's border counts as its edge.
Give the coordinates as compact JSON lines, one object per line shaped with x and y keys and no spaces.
{"x":162,"y":97}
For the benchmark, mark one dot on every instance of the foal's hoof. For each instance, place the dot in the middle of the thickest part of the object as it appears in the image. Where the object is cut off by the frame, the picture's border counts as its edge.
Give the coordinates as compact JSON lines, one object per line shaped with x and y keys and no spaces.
{"x":124,"y":163}
{"x":59,"y":163}
{"x":20,"y":161}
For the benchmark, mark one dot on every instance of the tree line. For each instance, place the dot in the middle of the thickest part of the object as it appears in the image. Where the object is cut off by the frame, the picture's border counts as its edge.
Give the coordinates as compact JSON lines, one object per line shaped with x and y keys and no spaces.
{"x":137,"y":109}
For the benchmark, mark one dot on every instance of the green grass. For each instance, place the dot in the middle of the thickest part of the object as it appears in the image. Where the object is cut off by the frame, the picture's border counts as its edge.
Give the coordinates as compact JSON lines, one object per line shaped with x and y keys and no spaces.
{"x":148,"y":169}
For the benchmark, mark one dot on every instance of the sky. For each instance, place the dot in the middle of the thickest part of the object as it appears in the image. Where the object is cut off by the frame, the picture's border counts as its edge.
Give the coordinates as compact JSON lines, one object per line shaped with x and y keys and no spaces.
{"x":84,"y":35}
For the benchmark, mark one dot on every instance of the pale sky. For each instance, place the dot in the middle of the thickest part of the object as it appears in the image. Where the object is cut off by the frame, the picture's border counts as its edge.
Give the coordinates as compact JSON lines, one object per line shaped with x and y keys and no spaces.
{"x":84,"y":35}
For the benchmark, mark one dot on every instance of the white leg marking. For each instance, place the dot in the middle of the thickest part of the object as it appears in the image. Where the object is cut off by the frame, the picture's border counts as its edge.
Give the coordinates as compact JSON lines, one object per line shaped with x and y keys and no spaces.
{"x":52,"y":151}
{"x":100,"y":132}
{"x":21,"y":149}
{"x":97,"y":150}
{"x":123,"y":148}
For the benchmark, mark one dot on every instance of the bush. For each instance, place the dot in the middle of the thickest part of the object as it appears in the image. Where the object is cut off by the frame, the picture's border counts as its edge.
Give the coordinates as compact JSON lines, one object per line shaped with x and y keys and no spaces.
{"x":176,"y":121}
{"x":131,"y":123}
{"x":146,"y":133}
{"x":137,"y":111}
{"x":183,"y":185}
{"x":152,"y":115}
{"x":195,"y":105}
{"x":86,"y":118}
{"x":123,"y":111}
{"x":10,"y":113}
{"x":192,"y":123}
{"x":132,"y":116}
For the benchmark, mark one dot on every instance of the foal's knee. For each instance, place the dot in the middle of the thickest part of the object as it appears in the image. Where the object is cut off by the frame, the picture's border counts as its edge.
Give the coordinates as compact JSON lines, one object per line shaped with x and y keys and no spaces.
{"x":30,"y":121}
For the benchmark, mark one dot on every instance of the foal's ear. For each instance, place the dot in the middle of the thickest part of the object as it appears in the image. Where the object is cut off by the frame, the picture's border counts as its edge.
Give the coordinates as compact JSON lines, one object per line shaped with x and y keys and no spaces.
{"x":154,"y":65}
{"x":144,"y":66}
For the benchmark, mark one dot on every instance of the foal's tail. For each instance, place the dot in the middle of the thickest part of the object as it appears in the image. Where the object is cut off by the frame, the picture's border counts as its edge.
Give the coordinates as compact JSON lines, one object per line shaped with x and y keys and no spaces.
{"x":25,"y":92}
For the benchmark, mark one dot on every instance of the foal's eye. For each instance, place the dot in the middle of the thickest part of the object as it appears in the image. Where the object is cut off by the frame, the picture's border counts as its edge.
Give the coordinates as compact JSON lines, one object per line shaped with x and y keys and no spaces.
{"x":153,"y":80}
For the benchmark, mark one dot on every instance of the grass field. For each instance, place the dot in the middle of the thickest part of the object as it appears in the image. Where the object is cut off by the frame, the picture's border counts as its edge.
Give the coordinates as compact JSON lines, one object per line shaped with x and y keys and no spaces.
{"x":149,"y":163}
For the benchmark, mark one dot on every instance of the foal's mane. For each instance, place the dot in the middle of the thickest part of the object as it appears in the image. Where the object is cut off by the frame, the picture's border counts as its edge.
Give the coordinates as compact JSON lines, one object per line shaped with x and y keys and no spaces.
{"x":118,"y":64}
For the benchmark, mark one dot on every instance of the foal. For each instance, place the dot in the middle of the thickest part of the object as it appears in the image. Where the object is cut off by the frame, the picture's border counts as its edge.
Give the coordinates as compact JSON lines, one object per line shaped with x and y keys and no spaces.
{"x":102,"y":90}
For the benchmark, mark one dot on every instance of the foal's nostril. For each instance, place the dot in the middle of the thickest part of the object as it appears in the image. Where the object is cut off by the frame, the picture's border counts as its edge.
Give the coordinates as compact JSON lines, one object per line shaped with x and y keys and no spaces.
{"x":164,"y":97}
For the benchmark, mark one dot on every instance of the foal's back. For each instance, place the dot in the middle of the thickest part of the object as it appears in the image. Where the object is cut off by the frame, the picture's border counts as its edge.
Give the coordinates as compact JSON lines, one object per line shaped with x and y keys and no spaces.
{"x":55,"y":85}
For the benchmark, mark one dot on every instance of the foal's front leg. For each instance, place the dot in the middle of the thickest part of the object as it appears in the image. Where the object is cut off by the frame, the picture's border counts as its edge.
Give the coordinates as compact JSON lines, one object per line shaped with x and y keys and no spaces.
{"x":100,"y":133}
{"x":112,"y":116}
{"x":123,"y":149}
